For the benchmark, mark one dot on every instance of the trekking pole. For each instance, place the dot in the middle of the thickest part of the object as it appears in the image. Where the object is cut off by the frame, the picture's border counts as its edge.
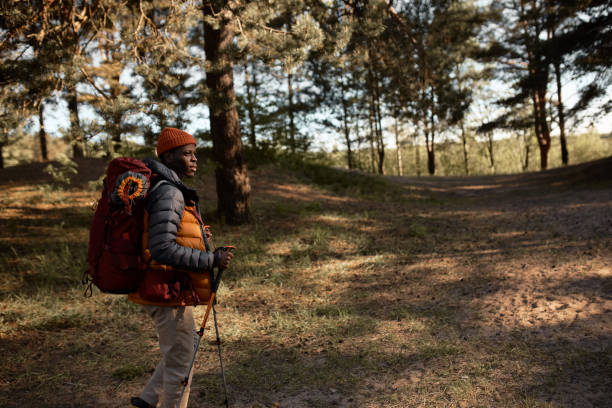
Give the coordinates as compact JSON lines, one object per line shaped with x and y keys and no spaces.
{"x":220,"y":358}
{"x":211,"y":302}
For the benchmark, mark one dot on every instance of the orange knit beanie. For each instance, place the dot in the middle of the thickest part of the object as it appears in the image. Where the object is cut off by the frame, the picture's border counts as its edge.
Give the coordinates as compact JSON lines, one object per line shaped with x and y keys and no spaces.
{"x":169,"y":138}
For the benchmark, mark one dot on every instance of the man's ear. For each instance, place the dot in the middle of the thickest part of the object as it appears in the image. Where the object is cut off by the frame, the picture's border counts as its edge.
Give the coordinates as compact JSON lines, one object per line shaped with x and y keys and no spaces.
{"x":165,"y":156}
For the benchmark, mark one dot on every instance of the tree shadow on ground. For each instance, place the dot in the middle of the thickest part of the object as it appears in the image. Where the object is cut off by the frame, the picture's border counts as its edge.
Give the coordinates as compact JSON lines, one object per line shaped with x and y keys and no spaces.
{"x":487,"y":268}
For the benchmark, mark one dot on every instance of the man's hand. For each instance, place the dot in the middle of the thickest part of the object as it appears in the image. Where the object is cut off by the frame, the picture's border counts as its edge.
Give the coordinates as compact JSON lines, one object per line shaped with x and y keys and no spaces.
{"x":207,"y":232}
{"x":225,"y":256}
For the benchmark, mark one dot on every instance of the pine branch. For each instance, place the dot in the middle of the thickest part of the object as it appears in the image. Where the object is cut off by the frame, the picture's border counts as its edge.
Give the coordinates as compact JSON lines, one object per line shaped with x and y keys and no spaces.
{"x":92,"y":83}
{"x":274,"y":30}
{"x":18,"y":30}
{"x":401,"y":21}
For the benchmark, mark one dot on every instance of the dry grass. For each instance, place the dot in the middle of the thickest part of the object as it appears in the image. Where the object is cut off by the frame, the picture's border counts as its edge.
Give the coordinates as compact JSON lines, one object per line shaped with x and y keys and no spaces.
{"x":339,"y":295}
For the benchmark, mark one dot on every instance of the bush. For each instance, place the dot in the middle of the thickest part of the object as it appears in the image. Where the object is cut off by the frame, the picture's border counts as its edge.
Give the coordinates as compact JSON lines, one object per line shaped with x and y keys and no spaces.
{"x":62,"y":172}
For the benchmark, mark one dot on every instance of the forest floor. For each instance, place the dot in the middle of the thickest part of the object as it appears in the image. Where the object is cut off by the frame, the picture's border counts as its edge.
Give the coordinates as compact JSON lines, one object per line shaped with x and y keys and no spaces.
{"x":347,"y":290}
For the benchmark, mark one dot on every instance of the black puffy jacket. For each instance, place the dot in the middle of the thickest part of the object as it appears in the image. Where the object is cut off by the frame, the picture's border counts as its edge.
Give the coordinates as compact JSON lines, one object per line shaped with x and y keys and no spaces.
{"x":165,"y":206}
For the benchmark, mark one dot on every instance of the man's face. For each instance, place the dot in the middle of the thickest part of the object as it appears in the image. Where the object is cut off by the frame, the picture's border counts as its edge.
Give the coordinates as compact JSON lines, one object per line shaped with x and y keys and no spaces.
{"x":183,"y":160}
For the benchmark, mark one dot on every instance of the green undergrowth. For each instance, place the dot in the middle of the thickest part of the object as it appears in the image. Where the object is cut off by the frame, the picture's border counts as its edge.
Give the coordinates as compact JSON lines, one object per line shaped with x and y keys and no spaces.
{"x":344,"y":182}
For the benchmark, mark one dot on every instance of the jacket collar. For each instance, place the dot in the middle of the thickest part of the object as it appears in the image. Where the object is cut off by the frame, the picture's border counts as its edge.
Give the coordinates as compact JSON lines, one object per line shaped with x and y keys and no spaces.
{"x":162,"y":172}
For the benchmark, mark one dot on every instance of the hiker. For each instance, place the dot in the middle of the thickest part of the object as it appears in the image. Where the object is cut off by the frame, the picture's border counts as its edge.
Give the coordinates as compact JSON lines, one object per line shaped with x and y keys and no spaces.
{"x":179,"y":262}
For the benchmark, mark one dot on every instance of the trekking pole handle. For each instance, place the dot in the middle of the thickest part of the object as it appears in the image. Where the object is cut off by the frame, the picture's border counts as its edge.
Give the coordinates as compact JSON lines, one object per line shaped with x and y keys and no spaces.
{"x":211,"y":302}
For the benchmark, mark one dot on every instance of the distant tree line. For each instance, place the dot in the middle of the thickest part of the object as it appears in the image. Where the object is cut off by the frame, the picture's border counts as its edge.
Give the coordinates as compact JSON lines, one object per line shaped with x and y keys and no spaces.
{"x":359,"y":69}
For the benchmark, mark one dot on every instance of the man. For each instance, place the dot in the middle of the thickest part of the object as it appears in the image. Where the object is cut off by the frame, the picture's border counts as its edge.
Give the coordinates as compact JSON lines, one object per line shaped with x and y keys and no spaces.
{"x":178,"y":264}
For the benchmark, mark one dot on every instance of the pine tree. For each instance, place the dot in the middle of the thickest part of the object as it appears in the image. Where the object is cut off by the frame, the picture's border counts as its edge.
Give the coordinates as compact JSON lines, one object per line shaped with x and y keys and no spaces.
{"x":524,"y":62}
{"x":30,"y":55}
{"x":584,"y":43}
{"x":260,"y":33}
{"x":579,"y":42}
{"x":438,"y":36}
{"x":111,"y":99}
{"x":39,"y":50}
{"x":233,"y":187}
{"x":12,"y":114}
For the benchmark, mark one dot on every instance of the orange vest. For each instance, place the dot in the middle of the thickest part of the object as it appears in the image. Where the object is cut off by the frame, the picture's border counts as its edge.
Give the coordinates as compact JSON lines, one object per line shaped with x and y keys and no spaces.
{"x":189,"y":234}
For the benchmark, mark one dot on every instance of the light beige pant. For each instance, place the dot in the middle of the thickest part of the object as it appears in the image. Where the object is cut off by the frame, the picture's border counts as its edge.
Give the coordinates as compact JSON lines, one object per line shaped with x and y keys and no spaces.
{"x":175,"y":328}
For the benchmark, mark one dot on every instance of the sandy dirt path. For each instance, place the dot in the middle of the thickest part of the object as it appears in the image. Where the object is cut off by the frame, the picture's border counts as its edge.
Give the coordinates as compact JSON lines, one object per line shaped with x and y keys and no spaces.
{"x":532,"y":258}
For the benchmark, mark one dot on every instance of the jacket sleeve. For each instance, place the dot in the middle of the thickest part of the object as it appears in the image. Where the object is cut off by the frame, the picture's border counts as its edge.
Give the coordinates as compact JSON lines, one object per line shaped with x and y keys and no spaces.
{"x":165,"y":206}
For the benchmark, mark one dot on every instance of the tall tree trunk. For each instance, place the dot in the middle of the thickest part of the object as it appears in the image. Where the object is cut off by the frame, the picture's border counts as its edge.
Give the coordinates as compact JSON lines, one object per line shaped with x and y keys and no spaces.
{"x":372,"y":135}
{"x":380,"y":143}
{"x":466,"y":166}
{"x":115,"y":115}
{"x":561,"y":113}
{"x":251,"y":98}
{"x":400,"y":171}
{"x":527,"y":151}
{"x":417,"y":155}
{"x":541,"y":126}
{"x":292,"y":141}
{"x":431,"y":159}
{"x":42,"y":135}
{"x":116,"y":132}
{"x":358,"y":163}
{"x":431,"y":142}
{"x":347,"y":131}
{"x":537,"y":68}
{"x":1,"y":156}
{"x":75,"y":126}
{"x":233,"y":186}
{"x":429,"y":146}
{"x":491,"y":152}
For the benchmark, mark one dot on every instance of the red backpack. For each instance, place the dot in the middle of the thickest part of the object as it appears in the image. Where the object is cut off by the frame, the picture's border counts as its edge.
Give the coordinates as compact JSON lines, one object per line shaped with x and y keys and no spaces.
{"x":114,"y":253}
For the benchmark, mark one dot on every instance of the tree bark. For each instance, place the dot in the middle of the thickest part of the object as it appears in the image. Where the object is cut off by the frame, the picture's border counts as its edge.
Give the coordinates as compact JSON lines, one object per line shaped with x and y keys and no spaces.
{"x":372,"y":135}
{"x":465,"y":149}
{"x":431,"y":155}
{"x":464,"y":143}
{"x":525,"y":149}
{"x":556,"y":62}
{"x":430,"y":139}
{"x":491,"y":152}
{"x":417,"y":155}
{"x":292,"y":143}
{"x":431,"y":160}
{"x":347,"y":131}
{"x":251,"y":98}
{"x":561,"y":114}
{"x":541,"y":125}
{"x":537,"y":66}
{"x":380,"y":143}
{"x":75,"y":126}
{"x":358,"y":163}
{"x":400,"y":171}
{"x":42,"y":135}
{"x":233,"y":186}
